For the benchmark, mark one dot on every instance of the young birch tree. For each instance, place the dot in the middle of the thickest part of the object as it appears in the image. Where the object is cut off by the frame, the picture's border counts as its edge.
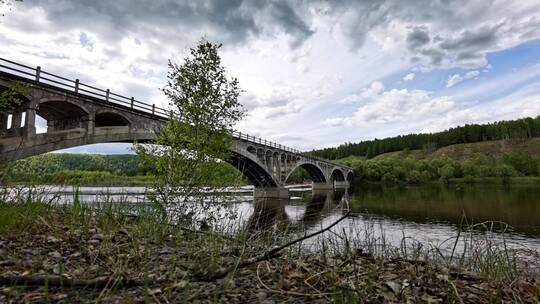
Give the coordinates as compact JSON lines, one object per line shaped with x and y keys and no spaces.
{"x":190,"y":152}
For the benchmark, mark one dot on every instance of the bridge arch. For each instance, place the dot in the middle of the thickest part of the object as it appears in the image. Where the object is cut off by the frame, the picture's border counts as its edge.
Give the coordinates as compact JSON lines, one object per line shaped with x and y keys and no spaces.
{"x":337,"y":175}
{"x":251,"y":150}
{"x":252,"y":170}
{"x":350,"y":177}
{"x":110,"y":119}
{"x":316,"y":174}
{"x":62,"y":114}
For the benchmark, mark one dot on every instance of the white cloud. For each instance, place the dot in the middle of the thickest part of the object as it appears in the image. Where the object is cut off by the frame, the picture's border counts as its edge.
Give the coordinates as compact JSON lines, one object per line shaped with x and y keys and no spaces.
{"x":453,"y":80}
{"x":368,"y":93}
{"x":409,"y":77}
{"x":472,"y":74}
{"x":456,"y":78}
{"x":395,"y":106}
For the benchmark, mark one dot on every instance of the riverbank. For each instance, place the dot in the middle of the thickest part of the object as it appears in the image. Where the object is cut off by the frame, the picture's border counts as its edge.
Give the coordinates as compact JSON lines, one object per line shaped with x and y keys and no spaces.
{"x":72,"y":254}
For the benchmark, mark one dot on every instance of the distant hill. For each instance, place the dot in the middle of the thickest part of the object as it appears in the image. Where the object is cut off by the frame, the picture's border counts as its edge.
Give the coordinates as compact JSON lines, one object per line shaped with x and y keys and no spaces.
{"x":519,"y":129}
{"x":496,"y":148}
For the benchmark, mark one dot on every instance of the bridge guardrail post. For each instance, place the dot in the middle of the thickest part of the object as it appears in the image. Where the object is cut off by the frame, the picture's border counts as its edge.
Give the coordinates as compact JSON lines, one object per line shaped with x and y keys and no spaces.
{"x":132,"y":102}
{"x":77,"y":85}
{"x":38,"y":73}
{"x":153,"y":109}
{"x":107,"y":95}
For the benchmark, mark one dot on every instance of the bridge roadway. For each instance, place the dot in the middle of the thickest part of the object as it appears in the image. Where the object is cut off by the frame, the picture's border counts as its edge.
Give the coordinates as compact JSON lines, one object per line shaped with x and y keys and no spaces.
{"x":79,"y":114}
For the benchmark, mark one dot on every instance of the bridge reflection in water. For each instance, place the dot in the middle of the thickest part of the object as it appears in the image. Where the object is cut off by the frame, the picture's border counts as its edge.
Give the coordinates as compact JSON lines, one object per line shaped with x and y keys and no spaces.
{"x":270,"y":215}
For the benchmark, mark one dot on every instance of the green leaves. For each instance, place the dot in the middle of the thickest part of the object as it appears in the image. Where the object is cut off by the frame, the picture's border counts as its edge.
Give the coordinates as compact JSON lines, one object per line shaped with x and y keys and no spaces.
{"x":11,"y":98}
{"x":190,"y":152}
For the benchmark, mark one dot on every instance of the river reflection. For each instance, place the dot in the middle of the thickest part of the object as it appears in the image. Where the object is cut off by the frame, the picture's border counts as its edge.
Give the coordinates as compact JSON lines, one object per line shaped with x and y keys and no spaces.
{"x":272,"y":213}
{"x":427,"y":215}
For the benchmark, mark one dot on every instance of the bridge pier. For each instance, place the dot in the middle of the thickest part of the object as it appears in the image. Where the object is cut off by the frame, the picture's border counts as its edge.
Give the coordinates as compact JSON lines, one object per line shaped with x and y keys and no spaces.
{"x":341,"y":184}
{"x":322,"y":186}
{"x":272,"y":193}
{"x":30,"y":122}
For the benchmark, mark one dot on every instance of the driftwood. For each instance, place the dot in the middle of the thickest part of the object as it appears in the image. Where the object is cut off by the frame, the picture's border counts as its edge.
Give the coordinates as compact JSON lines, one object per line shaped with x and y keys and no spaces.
{"x":267,"y":255}
{"x":59,"y":281}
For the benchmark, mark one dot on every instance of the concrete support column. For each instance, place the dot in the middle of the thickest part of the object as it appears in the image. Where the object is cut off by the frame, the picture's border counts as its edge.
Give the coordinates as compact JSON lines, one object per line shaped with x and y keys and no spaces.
{"x":91,"y":124}
{"x":16,"y":120}
{"x":30,"y":121}
{"x":341,"y":184}
{"x":274,"y":193}
{"x":322,"y":186}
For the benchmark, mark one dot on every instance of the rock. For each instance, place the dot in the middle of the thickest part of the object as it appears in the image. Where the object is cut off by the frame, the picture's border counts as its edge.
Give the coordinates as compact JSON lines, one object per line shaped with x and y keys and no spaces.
{"x":94,"y":242}
{"x":52,"y":240}
{"x":394,"y":286}
{"x":123,"y":231}
{"x":165,"y":250}
{"x":77,"y":272}
{"x":75,"y":255}
{"x":55,"y":255}
{"x":93,"y":268}
{"x":262,"y":295}
{"x":56,"y":269}
{"x":97,"y":236}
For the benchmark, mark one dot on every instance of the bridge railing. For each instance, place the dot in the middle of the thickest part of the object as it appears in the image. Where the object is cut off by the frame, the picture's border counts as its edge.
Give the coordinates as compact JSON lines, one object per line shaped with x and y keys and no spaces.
{"x":38,"y":76}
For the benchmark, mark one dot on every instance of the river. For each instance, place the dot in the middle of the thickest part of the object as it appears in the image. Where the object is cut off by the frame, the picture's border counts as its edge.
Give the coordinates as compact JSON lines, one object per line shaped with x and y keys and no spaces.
{"x":429,"y":216}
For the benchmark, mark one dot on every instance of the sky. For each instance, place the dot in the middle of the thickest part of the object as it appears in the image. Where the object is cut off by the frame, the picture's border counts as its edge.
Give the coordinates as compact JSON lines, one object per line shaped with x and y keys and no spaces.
{"x":313,"y":73}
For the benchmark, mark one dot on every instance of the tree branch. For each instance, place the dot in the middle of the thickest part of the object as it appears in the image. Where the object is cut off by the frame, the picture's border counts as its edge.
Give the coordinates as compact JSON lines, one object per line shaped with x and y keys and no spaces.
{"x":270,"y":254}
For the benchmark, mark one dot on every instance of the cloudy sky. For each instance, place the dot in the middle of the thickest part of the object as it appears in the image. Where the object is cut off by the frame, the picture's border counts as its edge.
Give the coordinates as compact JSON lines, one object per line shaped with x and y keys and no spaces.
{"x":315,"y":73}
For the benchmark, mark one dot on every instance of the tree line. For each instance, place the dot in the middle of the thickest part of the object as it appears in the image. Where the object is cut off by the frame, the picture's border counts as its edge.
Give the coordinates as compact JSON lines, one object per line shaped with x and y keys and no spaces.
{"x":413,"y":171}
{"x":469,"y":133}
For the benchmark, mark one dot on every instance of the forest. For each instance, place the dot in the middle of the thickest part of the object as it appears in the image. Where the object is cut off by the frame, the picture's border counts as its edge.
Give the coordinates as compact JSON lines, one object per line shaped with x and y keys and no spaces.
{"x":512,"y":167}
{"x":470,"y":133}
{"x":99,"y":169}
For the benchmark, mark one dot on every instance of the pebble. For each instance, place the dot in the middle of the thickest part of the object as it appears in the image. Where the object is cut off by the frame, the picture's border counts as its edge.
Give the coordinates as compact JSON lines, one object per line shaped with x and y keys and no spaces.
{"x":55,"y":255}
{"x":75,"y":255}
{"x":51,"y":239}
{"x":93,"y":268}
{"x":98,"y":236}
{"x":56,"y":269}
{"x":94,"y":242}
{"x":262,"y":295}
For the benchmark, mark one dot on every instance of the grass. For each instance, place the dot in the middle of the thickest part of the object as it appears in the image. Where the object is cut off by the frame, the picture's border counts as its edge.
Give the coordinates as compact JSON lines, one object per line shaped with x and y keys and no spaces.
{"x":117,"y":241}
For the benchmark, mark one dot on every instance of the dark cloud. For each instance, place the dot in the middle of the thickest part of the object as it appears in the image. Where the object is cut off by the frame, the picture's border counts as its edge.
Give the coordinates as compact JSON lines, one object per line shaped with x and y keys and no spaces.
{"x":441,"y":33}
{"x":288,"y":19}
{"x":444,"y":33}
{"x":417,"y":38}
{"x":231,"y":21}
{"x":480,"y":38}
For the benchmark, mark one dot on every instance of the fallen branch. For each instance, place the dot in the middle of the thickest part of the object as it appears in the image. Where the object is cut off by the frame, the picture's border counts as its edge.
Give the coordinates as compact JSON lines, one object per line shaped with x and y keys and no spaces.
{"x":267,"y":255}
{"x":59,"y":281}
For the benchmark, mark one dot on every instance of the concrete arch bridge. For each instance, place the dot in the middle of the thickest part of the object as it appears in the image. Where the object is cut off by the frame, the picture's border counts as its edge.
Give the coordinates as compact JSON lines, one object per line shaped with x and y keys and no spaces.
{"x":79,"y":114}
